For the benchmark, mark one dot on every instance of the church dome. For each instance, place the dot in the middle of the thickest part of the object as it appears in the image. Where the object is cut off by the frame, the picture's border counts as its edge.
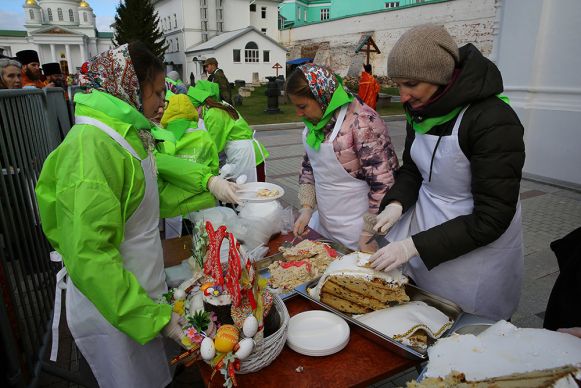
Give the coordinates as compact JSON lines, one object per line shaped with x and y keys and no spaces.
{"x":30,"y":4}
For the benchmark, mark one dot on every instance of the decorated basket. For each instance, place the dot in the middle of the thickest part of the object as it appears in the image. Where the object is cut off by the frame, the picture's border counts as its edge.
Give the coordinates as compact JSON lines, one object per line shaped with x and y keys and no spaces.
{"x":270,"y":347}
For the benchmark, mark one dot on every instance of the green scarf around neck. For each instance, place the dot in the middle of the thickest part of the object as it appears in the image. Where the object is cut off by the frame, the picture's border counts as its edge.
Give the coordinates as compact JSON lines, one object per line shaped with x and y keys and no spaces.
{"x":425,"y":126}
{"x":316,"y":135}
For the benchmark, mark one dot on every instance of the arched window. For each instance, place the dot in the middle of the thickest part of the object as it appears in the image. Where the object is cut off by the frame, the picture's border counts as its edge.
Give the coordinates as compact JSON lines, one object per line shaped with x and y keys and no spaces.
{"x":60,"y":14}
{"x":31,"y":13}
{"x":85,"y":17}
{"x":49,"y":11}
{"x":71,"y":15}
{"x":251,"y":52}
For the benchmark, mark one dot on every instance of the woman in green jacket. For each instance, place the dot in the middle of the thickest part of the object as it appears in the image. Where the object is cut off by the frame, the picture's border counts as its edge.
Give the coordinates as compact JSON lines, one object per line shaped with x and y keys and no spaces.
{"x":231,"y":133}
{"x":100,"y":206}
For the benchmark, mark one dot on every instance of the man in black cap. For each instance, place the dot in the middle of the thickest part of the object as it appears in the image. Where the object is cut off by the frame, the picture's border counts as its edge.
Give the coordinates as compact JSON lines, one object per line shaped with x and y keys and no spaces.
{"x":31,"y":75}
{"x":55,"y":76}
{"x":217,"y":75}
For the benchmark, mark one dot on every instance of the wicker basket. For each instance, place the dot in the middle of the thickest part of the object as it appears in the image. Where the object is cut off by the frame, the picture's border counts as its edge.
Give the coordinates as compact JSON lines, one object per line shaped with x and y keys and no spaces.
{"x":270,"y":347}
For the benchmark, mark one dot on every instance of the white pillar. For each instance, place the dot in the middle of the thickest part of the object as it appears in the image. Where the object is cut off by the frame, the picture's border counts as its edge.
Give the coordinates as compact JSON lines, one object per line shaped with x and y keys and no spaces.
{"x":83,"y":58}
{"x":69,"y":58}
{"x":53,"y":53}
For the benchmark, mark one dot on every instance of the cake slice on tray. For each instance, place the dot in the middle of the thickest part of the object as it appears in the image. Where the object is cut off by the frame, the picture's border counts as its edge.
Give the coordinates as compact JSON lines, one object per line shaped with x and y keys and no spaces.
{"x":351,"y":286}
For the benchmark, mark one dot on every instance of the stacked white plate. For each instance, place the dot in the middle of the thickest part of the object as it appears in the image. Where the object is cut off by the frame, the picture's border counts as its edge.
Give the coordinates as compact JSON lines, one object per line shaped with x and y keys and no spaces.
{"x":317,"y":333}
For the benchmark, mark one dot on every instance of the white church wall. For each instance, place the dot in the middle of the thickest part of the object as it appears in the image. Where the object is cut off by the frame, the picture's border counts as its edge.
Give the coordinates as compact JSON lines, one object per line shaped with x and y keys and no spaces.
{"x":538,"y":55}
{"x":236,"y":14}
{"x":467,"y":21}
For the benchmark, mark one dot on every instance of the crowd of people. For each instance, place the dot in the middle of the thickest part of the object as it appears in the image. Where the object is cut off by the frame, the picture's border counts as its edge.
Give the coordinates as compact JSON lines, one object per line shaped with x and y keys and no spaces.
{"x":25,"y":71}
{"x":144,"y":146}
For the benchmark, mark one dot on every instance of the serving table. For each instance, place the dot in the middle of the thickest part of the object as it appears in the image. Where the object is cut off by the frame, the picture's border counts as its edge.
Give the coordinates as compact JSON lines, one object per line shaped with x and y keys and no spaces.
{"x":361,"y":363}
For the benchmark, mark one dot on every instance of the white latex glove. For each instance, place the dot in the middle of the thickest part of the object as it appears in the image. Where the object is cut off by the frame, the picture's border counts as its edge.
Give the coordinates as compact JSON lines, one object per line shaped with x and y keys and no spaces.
{"x":173,"y":329}
{"x":393,"y":255}
{"x":302,"y":221}
{"x":388,"y":217}
{"x":364,"y":246}
{"x":223,"y":190}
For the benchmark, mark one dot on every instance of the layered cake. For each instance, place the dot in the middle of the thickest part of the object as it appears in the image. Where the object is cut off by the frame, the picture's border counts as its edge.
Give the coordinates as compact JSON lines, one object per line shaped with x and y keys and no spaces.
{"x":351,"y":286}
{"x":301,"y":263}
{"x":412,"y":324}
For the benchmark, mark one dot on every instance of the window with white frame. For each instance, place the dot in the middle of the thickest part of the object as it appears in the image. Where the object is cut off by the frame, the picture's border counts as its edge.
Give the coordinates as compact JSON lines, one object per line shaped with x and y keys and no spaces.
{"x":324,"y":13}
{"x":31,"y":13}
{"x":177,"y":44}
{"x":266,"y":56}
{"x":71,"y":15}
{"x":263,"y":12}
{"x":305,"y":15}
{"x":205,"y":26}
{"x":204,"y":36}
{"x":391,"y":4}
{"x":175,"y":21}
{"x":49,"y":12}
{"x":60,"y":14}
{"x":253,"y":7}
{"x":85,"y":17}
{"x":204,"y":3}
{"x":298,"y":13}
{"x":220,"y":26}
{"x":263,"y":30}
{"x":219,"y":14}
{"x":204,"y":13}
{"x":251,"y":52}
{"x":236,"y":55}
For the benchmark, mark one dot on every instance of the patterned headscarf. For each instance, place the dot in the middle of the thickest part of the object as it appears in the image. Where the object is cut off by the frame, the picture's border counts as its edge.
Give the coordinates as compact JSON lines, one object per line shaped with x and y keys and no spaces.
{"x":327,"y":89}
{"x":322,"y":83}
{"x":112,"y":72}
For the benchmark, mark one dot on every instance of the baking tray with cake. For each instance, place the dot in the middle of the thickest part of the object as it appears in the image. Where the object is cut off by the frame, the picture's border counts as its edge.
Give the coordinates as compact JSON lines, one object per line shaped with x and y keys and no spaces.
{"x":298,"y":264}
{"x":383,"y":307}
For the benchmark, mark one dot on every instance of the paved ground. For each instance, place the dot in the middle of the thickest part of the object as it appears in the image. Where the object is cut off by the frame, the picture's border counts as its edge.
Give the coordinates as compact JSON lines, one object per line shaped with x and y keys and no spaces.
{"x":549,"y":213}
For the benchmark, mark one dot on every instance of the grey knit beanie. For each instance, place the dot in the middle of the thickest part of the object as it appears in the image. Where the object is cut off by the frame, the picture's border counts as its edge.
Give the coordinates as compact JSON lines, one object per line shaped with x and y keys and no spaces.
{"x":425,"y":53}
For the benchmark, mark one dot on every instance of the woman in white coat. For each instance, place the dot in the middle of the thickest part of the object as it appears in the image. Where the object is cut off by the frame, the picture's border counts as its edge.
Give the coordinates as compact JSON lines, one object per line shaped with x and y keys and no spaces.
{"x":349,"y":162}
{"x":458,"y":188}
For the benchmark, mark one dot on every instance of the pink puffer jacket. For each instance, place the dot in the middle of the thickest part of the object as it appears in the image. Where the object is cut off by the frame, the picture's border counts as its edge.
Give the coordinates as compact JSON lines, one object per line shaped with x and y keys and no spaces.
{"x":364,"y":149}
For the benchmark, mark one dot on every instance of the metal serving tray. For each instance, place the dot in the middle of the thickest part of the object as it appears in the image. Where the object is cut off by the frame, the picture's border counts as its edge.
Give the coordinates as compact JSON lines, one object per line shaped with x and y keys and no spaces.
{"x":262,"y":265}
{"x":449,"y":308}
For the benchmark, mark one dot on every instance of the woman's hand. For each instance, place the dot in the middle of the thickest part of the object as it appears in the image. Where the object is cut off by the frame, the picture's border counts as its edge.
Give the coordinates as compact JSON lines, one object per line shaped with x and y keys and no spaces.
{"x":394,"y":255}
{"x":388,"y":217}
{"x":303,"y":220}
{"x":173,"y":329}
{"x":223,"y":190}
{"x":371,"y":247}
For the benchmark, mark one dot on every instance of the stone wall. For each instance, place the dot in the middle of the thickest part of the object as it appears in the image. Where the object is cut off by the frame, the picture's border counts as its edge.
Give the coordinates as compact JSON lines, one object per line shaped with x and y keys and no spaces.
{"x":334,"y":42}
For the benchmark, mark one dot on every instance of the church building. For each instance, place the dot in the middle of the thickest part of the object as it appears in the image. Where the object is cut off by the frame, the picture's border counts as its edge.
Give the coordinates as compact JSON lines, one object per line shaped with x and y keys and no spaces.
{"x":61,"y":31}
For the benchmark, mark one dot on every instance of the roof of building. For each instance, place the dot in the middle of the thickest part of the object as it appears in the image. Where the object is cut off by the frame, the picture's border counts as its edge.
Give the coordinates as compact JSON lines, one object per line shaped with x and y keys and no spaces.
{"x":226,"y":37}
{"x":12,"y":33}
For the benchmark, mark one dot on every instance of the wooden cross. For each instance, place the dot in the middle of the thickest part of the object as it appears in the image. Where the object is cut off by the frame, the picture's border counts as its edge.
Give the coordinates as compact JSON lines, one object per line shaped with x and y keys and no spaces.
{"x":368,"y":49}
{"x":277,"y":66}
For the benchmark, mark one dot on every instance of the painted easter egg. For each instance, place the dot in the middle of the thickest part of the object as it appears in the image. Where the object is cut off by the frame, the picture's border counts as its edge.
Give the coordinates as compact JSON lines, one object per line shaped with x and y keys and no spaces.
{"x":226,"y":338}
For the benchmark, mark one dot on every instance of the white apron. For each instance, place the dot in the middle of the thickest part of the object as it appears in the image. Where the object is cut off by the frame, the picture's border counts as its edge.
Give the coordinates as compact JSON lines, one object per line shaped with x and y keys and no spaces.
{"x":241,"y":154}
{"x":341,"y":199}
{"x":115,"y":359}
{"x":485,"y":281}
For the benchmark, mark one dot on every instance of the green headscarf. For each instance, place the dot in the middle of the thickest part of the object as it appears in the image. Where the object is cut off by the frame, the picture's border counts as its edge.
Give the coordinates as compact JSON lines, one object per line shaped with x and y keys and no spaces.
{"x":203,"y":90}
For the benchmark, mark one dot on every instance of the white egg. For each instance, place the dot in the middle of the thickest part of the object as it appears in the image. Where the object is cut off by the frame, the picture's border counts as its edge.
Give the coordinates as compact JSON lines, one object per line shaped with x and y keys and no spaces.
{"x":250,"y":326}
{"x":207,"y":349}
{"x":179,"y":294}
{"x":245,"y":347}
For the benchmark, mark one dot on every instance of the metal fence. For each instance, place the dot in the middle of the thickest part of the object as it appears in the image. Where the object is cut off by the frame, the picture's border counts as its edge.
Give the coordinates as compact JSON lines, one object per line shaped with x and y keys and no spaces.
{"x":33,"y":122}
